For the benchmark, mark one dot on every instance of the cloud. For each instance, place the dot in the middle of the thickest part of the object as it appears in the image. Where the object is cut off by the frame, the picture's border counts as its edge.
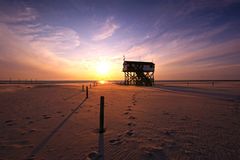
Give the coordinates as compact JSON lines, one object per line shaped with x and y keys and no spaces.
{"x":20,"y":57}
{"x":32,"y":49}
{"x":55,"y":38}
{"x":26,"y":14}
{"x":18,"y":50}
{"x":107,"y":30}
{"x":36,"y":50}
{"x":190,"y":53}
{"x":24,"y":22}
{"x":215,"y":54}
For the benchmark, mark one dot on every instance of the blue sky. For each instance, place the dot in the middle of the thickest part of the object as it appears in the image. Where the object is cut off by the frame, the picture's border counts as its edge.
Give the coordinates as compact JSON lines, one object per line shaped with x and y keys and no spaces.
{"x":68,"y":39}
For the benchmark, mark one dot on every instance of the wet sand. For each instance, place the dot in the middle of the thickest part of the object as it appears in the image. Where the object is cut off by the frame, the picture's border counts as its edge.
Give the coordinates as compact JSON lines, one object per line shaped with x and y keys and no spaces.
{"x":56,"y":122}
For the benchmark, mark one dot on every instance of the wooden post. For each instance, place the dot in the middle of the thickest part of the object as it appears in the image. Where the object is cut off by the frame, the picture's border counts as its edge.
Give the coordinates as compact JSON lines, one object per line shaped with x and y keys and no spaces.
{"x":83,"y":88}
{"x":90,"y":85}
{"x":87,"y":92}
{"x":101,"y":124}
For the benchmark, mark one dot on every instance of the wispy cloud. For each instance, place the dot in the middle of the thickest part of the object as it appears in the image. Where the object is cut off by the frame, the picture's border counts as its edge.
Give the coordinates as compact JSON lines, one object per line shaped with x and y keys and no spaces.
{"x":25,"y":14}
{"x":107,"y":30}
{"x":24,"y":22}
{"x":31,"y":47}
{"x":34,"y":47}
{"x":57,"y":39}
{"x":21,"y":53}
{"x":188,"y":53}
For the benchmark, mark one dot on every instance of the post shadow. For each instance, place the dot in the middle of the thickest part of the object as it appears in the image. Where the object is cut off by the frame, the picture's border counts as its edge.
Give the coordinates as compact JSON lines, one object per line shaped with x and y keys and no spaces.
{"x":43,"y":143}
{"x":101,"y":145}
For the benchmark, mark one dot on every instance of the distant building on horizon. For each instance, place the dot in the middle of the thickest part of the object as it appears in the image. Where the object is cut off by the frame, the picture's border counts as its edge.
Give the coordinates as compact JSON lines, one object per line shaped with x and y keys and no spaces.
{"x":138,"y":73}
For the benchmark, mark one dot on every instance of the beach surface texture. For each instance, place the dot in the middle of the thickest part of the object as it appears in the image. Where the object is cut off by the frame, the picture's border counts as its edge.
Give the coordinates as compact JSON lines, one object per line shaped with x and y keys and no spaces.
{"x":164,"y":122}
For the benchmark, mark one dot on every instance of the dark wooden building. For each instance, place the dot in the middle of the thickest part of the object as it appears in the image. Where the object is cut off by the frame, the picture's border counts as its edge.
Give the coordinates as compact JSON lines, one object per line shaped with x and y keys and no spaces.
{"x":138,"y":73}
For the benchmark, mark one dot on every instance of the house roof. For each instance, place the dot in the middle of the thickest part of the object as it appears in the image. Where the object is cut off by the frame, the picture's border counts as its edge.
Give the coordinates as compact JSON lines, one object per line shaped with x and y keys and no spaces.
{"x":138,"y":62}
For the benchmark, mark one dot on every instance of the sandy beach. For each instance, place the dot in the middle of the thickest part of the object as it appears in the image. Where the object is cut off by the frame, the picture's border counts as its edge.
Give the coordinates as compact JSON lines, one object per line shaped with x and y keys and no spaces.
{"x":175,"y":122}
{"x":162,"y":75}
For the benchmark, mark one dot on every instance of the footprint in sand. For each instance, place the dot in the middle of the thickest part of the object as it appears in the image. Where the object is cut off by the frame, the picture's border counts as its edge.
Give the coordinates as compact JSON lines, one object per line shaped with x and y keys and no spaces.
{"x":131,"y":124}
{"x":130,"y":133}
{"x":131,"y":117}
{"x":33,"y":130}
{"x":134,"y":100}
{"x":126,"y":112}
{"x":94,"y":155}
{"x":129,"y":109}
{"x":120,"y":135}
{"x":30,"y":122}
{"x":46,"y":116}
{"x":115,"y":141}
{"x":10,"y":122}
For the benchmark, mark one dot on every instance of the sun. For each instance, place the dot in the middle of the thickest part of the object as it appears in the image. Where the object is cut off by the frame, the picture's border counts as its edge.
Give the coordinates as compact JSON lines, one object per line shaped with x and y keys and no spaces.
{"x":102,"y":68}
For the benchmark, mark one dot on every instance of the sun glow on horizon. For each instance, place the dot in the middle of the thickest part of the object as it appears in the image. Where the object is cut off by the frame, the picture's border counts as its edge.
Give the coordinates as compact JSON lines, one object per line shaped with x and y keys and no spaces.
{"x":102,"y":68}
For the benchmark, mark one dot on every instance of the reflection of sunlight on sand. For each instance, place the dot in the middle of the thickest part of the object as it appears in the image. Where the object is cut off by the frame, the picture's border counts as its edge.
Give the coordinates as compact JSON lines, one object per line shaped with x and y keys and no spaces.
{"x":102,"y":82}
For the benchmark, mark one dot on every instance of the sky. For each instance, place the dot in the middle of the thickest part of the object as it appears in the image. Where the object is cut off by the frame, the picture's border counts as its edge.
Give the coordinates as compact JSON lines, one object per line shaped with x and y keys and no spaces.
{"x":71,"y":39}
